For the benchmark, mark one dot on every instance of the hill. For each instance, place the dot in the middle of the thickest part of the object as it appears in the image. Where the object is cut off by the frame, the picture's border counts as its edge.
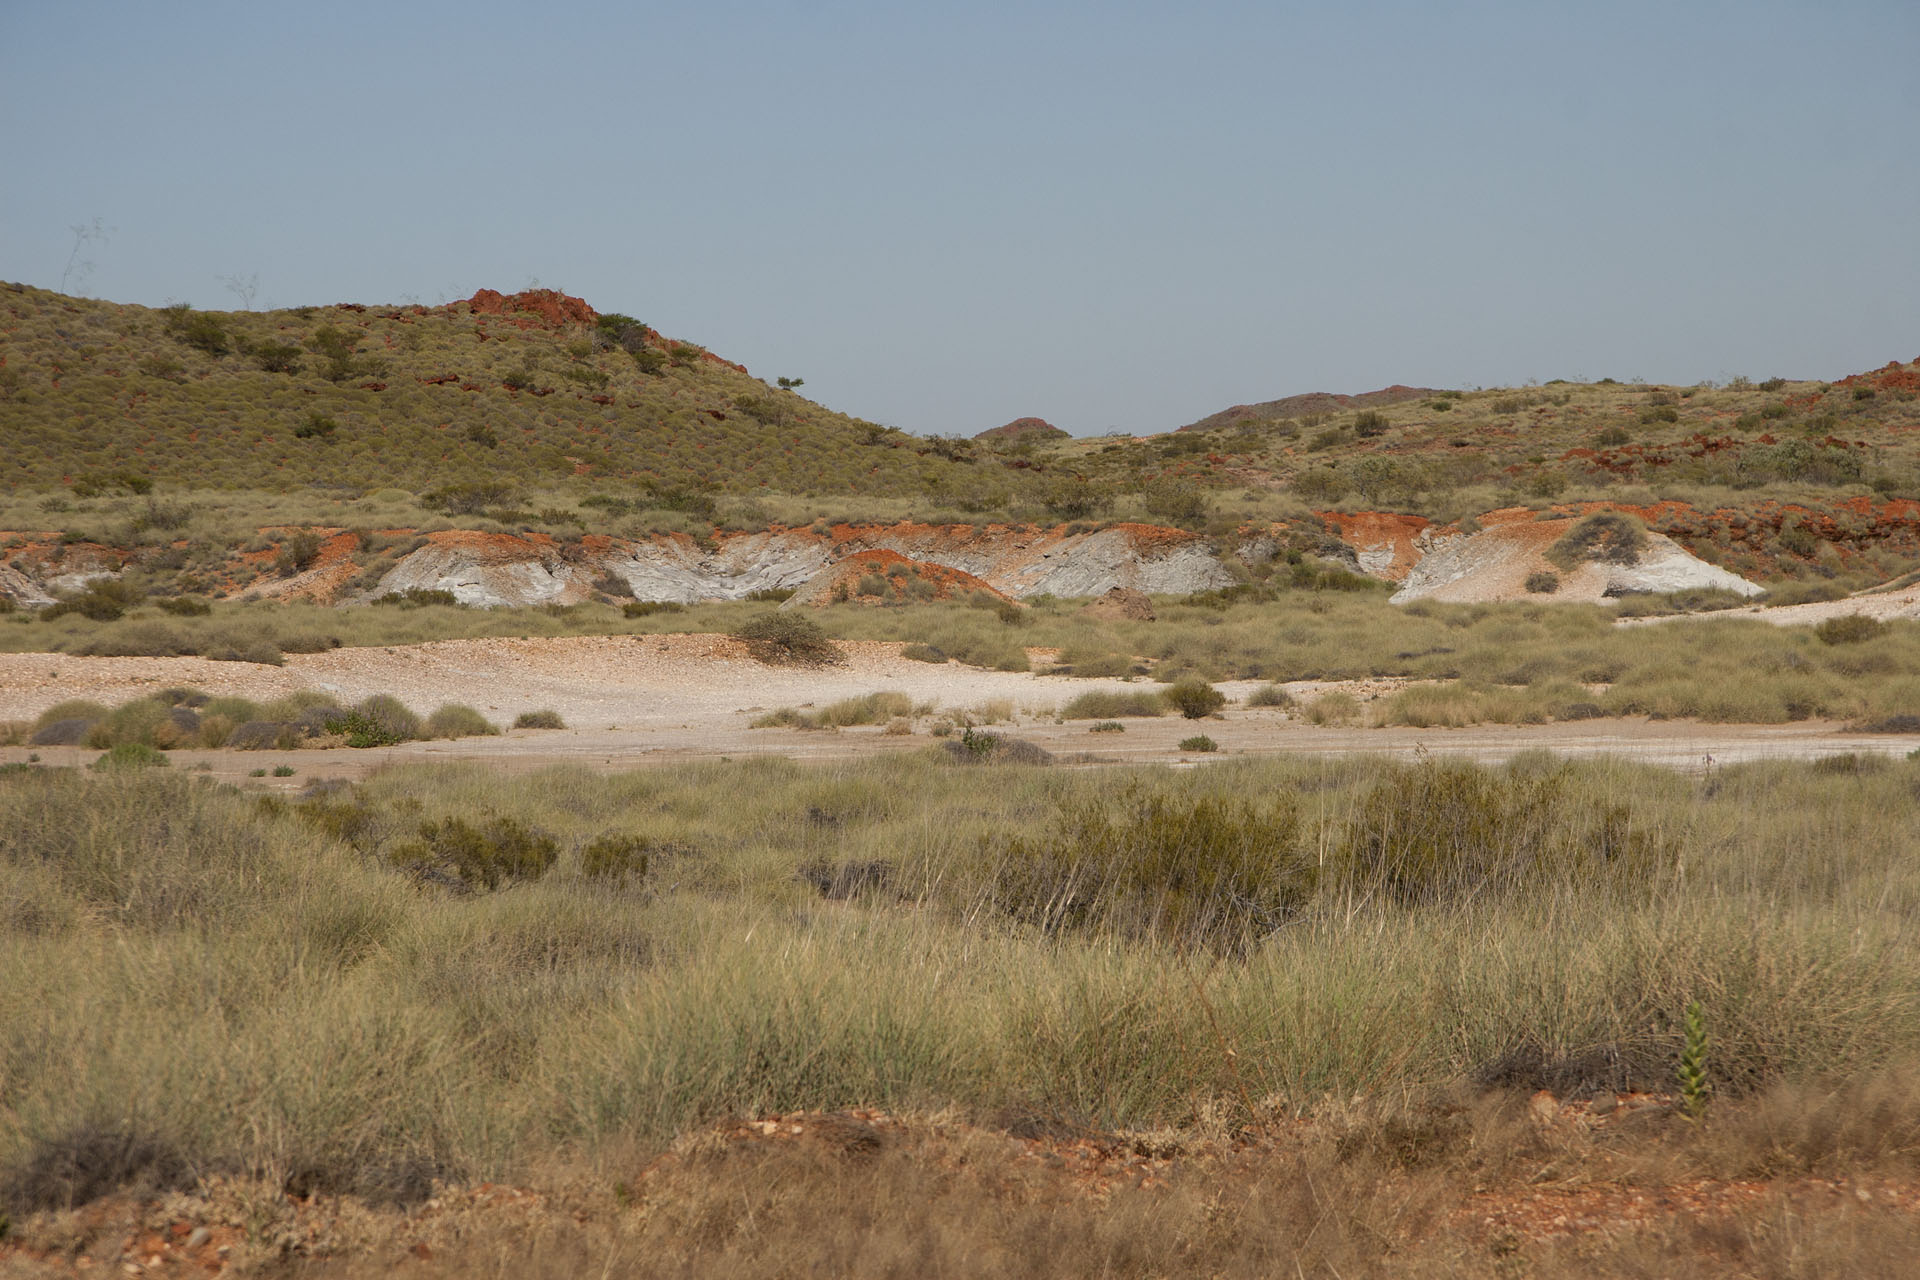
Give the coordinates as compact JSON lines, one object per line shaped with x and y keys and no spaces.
{"x":530,"y":390}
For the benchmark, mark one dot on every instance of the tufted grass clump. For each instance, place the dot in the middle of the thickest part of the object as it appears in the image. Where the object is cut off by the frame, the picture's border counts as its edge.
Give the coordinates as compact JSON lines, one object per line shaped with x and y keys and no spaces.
{"x":457,"y":720}
{"x":1110,"y":704}
{"x":545,"y":719}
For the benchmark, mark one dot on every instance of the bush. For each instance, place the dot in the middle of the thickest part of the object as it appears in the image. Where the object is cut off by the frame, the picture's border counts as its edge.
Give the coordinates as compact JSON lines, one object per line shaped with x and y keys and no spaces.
{"x":456,"y":720}
{"x":1451,"y":831}
{"x":1107,"y":726}
{"x":103,"y":600}
{"x":614,"y":857}
{"x":298,"y":551}
{"x":923,"y":653}
{"x":1543,"y":582}
{"x":1194,"y":699}
{"x":1106,"y":704}
{"x":539,"y":720}
{"x":379,"y":721}
{"x":787,"y":638}
{"x":647,"y":608}
{"x":1369,"y":423}
{"x":1199,"y":742}
{"x":185,"y":606}
{"x":1609,"y":536}
{"x":1191,"y":870}
{"x":499,"y":850}
{"x":1851,"y":628}
{"x":131,"y":755}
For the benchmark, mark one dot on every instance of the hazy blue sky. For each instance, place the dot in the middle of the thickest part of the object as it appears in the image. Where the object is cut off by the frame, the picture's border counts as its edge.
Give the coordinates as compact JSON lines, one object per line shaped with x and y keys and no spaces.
{"x":947,"y":216}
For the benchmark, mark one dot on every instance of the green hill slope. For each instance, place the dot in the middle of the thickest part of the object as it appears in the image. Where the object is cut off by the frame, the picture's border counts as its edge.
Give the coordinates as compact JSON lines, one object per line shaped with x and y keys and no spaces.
{"x":534,"y":390}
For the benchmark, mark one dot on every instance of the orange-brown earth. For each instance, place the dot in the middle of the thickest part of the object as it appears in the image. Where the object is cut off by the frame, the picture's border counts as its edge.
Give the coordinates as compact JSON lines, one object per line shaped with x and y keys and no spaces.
{"x":1558,"y":1188}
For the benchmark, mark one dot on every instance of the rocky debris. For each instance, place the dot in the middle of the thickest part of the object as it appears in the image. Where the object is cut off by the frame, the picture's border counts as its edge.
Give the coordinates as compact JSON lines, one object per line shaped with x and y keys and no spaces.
{"x":1496,"y":563}
{"x":49,"y":568}
{"x":1024,"y":429}
{"x":1122,"y":604}
{"x":531,"y":308}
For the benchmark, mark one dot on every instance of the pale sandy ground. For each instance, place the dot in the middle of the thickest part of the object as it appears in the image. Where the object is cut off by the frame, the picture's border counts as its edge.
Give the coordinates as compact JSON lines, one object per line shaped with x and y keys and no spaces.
{"x":1903,"y":602}
{"x":631,"y":701}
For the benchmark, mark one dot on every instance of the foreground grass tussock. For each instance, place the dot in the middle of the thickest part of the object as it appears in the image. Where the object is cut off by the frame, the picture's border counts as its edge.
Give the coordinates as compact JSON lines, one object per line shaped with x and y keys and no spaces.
{"x":443,"y":972}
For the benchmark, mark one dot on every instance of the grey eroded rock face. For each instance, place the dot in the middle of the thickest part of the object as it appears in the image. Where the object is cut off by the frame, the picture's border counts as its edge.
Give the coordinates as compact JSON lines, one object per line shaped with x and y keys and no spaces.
{"x":489,"y":583}
{"x":1493,"y":564}
{"x":21,"y":589}
{"x":680,"y":571}
{"x":1016,"y":562}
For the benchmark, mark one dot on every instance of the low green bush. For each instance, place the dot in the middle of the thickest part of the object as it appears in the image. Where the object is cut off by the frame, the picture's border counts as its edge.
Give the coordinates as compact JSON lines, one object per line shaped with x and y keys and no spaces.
{"x":1199,"y":742}
{"x":1194,"y":699}
{"x":1452,"y":831}
{"x":497,"y":851}
{"x":1188,"y":869}
{"x":787,"y":638}
{"x":131,"y":755}
{"x":539,"y":720}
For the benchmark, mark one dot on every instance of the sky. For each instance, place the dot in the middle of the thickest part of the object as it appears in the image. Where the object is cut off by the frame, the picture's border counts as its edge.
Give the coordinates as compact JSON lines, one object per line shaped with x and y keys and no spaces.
{"x":1115,"y":216}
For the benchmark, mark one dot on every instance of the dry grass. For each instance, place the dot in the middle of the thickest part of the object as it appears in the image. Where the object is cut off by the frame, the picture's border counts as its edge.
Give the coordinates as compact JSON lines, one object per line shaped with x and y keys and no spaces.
{"x":286,"y":991}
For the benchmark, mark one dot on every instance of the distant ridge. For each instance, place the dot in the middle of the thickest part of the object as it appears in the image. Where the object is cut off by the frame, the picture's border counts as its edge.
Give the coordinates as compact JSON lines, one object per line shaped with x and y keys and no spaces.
{"x":1311,"y":402}
{"x":1037,"y":428}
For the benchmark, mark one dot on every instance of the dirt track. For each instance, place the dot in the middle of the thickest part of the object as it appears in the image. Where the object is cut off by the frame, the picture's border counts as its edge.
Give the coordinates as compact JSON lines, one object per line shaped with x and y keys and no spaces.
{"x":631,"y":701}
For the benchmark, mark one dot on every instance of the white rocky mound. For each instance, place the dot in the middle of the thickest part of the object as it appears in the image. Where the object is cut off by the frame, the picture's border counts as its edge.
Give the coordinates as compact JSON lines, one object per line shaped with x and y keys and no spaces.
{"x":1497,"y":563}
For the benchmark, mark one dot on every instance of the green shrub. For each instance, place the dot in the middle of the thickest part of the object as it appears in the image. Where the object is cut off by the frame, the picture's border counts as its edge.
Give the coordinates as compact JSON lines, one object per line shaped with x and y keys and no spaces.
{"x":647,"y":608}
{"x":103,"y":600}
{"x":1192,"y":870}
{"x":787,"y":638}
{"x":1451,"y":831}
{"x":1543,"y":582}
{"x":131,"y":755}
{"x":923,"y":653}
{"x":614,"y":857}
{"x":1107,"y":726}
{"x":297,"y":552}
{"x":1194,"y":699}
{"x":539,"y":720}
{"x":1609,"y":536}
{"x":1106,"y":704}
{"x":1849,"y":628}
{"x":1199,"y":742}
{"x":457,"y":720}
{"x":379,"y":721}
{"x":499,"y":850}
{"x":185,"y":606}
